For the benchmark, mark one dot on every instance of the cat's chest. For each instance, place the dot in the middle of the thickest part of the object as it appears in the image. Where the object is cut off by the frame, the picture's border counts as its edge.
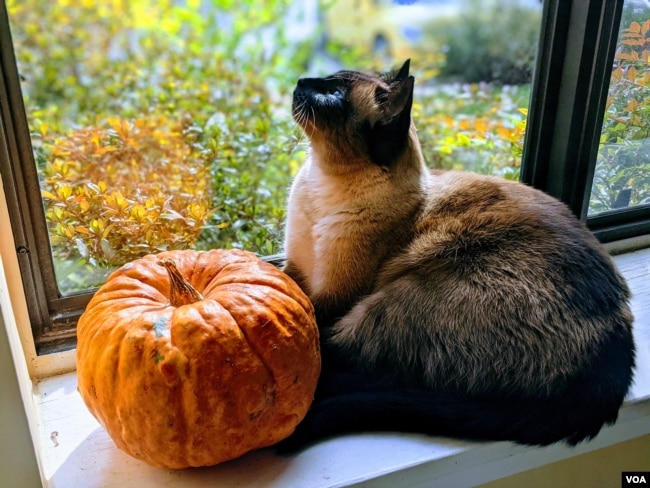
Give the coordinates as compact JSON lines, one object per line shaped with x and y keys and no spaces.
{"x":328,"y":227}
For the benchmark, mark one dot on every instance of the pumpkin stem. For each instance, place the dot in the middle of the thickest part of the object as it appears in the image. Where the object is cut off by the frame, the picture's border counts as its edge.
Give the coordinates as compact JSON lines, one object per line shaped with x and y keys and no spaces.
{"x":180,"y":290}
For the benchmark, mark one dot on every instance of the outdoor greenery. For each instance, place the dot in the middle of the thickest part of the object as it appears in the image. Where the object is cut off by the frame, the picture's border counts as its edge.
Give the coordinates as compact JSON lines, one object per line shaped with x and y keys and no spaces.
{"x":137,"y":187}
{"x":157,"y":126}
{"x":493,"y":41}
{"x":622,"y":175}
{"x":162,"y":124}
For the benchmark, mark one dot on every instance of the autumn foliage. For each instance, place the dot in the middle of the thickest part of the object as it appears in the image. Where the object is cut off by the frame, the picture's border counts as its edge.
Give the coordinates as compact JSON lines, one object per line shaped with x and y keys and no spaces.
{"x":124,"y":191}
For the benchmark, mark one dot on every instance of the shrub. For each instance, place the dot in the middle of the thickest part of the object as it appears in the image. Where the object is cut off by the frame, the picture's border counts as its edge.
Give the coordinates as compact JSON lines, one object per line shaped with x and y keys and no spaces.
{"x":116,"y":194}
{"x":476,"y":127}
{"x":491,"y":42}
{"x":203,"y":90}
{"x":622,"y":175}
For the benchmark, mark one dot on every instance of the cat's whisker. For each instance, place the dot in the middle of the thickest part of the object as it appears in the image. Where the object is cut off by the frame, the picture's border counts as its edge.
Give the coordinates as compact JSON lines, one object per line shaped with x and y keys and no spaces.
{"x":313,"y":122}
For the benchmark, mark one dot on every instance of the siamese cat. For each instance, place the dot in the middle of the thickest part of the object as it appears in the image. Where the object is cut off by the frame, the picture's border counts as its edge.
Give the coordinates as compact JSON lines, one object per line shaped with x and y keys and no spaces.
{"x":449,"y":303}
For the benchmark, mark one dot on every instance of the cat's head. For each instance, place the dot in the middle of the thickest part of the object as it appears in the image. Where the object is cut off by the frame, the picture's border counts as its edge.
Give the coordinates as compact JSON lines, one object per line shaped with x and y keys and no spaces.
{"x":357,"y":117}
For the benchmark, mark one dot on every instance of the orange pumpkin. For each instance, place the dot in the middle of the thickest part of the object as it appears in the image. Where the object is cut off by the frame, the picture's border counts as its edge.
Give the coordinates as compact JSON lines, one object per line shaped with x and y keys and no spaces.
{"x":221,"y":361}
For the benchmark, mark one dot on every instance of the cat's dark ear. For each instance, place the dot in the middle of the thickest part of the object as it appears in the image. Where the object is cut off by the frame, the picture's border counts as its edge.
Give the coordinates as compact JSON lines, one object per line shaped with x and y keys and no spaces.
{"x":397,"y":100}
{"x":388,"y":136}
{"x":396,"y":76}
{"x":403,"y":72}
{"x":400,"y":98}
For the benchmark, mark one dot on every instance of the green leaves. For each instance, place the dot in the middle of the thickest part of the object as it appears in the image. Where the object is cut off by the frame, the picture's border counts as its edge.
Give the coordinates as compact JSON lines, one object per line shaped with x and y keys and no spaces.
{"x":623,"y":164}
{"x":473,"y":127}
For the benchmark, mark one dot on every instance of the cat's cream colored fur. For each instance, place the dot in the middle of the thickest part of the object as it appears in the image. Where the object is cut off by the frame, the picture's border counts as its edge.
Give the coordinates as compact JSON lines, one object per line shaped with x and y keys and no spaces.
{"x":340,"y":220}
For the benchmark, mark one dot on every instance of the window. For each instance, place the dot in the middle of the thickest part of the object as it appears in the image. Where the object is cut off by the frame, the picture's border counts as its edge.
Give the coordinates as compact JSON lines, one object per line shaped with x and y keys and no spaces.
{"x":132,"y":127}
{"x":620,"y":195}
{"x":574,"y":66}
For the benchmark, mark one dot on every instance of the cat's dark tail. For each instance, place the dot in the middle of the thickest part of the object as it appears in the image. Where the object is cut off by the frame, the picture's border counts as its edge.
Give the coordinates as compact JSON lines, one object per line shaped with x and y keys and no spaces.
{"x":578,"y":413}
{"x":531,"y":422}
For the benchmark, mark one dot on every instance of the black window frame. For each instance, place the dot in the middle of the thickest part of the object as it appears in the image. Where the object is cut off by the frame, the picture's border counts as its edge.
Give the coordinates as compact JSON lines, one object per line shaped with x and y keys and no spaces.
{"x":571,"y":80}
{"x":576,"y":52}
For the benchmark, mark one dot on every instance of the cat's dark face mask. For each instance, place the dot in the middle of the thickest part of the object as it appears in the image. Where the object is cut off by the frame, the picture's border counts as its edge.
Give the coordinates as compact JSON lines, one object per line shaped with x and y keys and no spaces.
{"x":362,"y":116}
{"x":322,"y":104}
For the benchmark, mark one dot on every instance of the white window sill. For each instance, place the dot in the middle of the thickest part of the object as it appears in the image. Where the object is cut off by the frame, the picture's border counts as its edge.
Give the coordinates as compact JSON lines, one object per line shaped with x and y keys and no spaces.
{"x":76,"y":452}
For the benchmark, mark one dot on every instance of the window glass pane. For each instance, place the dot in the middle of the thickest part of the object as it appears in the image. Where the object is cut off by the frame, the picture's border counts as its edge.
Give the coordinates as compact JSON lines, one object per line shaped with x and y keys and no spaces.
{"x":165,"y":124}
{"x":622,"y":176}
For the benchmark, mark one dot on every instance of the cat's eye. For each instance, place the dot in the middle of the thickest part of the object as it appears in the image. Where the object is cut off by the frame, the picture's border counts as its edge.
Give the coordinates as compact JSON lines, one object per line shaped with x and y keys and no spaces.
{"x":338,"y":94}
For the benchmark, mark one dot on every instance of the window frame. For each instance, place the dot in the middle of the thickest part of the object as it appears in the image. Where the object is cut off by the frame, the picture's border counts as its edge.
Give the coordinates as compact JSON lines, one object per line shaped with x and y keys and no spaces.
{"x":51,"y":315}
{"x":576,"y":53}
{"x":569,"y":89}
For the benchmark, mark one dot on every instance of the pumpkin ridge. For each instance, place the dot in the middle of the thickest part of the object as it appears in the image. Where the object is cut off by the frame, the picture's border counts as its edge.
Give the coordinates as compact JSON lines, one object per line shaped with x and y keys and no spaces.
{"x":306,"y":307}
{"x":258,"y":354}
{"x":137,"y":279}
{"x":247,"y":339}
{"x":134,"y":285}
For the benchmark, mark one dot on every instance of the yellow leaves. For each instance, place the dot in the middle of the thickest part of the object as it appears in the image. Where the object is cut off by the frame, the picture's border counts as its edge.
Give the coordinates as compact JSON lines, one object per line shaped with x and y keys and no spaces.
{"x":635,"y":34}
{"x":617,"y":74}
{"x":97,"y":226}
{"x":632,"y":56}
{"x":198,"y":212}
{"x":462,"y":139}
{"x":632,"y":46}
{"x":631,"y":74}
{"x":632,"y":105}
{"x":121,"y":127}
{"x":116,"y":203}
{"x":504,"y":133}
{"x":137,"y":212}
{"x":628,"y":97}
{"x":109,"y":192}
{"x":49,"y":195}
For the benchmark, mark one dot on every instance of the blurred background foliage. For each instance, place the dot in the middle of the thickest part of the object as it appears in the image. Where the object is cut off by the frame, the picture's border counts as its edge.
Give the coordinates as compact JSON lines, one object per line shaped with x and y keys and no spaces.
{"x":165,"y":124}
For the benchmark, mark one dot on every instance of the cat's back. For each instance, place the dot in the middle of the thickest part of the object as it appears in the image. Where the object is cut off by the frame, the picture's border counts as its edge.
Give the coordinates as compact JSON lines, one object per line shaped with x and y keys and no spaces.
{"x":478,"y":214}
{"x":502,"y":242}
{"x":513,"y":288}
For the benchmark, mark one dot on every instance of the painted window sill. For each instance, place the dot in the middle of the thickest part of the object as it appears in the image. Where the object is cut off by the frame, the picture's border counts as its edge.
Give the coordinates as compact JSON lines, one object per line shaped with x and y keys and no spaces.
{"x":76,"y":451}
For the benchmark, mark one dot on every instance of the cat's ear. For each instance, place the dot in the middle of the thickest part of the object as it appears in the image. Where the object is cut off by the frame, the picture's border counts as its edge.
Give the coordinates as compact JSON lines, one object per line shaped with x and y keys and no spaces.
{"x":403,"y":72}
{"x":388,"y":134}
{"x":399,"y":97}
{"x":397,"y":100}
